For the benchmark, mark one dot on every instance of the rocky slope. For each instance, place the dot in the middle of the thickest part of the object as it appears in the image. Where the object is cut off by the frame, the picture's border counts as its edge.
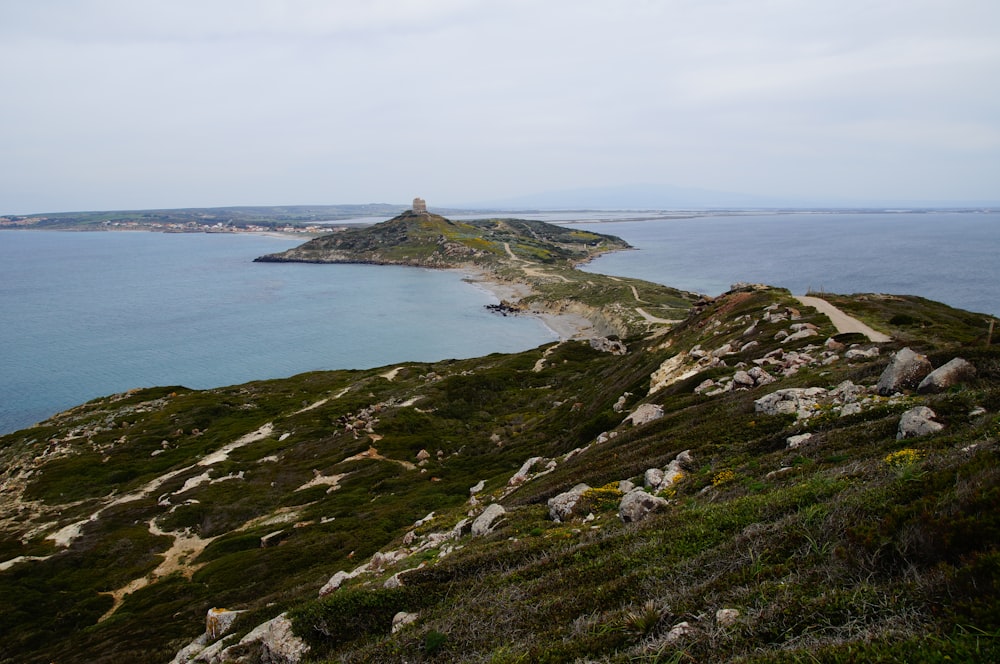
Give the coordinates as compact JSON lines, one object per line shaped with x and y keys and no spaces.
{"x":745,"y":484}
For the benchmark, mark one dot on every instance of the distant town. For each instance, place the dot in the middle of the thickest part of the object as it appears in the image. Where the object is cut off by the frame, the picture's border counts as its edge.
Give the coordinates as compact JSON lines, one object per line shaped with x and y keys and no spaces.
{"x":299,"y":219}
{"x":174,"y":227}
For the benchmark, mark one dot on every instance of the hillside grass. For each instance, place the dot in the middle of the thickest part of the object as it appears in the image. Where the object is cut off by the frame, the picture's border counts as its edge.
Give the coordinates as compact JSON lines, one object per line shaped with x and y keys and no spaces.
{"x":855,"y":547}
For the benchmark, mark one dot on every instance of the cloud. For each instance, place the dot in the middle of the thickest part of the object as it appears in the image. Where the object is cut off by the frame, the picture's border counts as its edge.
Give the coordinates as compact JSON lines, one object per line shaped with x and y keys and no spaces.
{"x":113,"y":103}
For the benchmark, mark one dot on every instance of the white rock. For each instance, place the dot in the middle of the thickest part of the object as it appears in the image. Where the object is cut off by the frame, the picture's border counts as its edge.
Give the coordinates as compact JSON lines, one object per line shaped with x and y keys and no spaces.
{"x":402,"y":619}
{"x":636,"y":505}
{"x":561,"y":506}
{"x":797,"y":441}
{"x":861,"y":353}
{"x":486,"y":521}
{"x":275,"y":638}
{"x":679,"y":631}
{"x":798,"y":336}
{"x":645,"y":413}
{"x":949,"y":374}
{"x":916,"y":422}
{"x":727,"y":617}
{"x":652,"y":478}
{"x":335,"y":582}
{"x":905,"y":371}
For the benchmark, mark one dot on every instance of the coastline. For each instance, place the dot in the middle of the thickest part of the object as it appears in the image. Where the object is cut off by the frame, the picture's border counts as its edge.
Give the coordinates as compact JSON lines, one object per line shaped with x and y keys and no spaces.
{"x":564,"y":325}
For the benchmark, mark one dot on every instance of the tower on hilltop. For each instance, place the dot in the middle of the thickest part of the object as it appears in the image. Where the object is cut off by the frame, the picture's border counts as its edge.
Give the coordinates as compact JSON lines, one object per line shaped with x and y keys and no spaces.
{"x":419,"y":205}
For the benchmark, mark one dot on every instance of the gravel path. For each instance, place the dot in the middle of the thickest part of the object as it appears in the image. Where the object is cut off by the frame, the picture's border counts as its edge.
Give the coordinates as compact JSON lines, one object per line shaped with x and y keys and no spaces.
{"x":842,"y":321}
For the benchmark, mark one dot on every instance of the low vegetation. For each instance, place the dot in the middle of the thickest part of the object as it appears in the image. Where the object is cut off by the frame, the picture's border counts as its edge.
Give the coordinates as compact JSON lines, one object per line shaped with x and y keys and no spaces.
{"x":853,"y":546}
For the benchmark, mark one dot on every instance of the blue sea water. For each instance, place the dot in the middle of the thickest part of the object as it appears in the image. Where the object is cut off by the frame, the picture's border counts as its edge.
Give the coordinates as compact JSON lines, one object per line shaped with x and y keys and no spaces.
{"x":949,"y":257}
{"x":84,"y":315}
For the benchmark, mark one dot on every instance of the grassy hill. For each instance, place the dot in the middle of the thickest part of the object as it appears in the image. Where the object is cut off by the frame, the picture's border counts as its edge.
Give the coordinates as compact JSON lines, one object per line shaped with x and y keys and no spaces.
{"x":124,"y":520}
{"x":430,"y":240}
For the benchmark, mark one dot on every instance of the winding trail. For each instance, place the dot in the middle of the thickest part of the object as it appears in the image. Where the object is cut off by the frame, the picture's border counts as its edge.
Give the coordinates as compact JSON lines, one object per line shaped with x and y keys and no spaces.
{"x":654,"y":319}
{"x":842,"y":321}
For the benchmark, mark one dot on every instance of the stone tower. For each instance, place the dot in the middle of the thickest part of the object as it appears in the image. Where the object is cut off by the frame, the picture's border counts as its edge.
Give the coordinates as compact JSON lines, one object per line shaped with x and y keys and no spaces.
{"x":419,"y":205}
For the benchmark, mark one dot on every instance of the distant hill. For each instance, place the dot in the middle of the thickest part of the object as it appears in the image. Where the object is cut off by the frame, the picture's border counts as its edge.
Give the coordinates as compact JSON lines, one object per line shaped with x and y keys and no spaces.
{"x":237,"y":217}
{"x":430,"y":240}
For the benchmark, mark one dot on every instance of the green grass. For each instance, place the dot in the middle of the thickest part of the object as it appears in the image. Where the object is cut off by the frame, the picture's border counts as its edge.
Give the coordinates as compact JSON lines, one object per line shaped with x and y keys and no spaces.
{"x":829,"y":552}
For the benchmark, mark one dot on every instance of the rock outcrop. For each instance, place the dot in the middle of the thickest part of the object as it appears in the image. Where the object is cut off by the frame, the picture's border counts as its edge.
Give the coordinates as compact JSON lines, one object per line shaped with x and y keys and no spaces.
{"x":487,"y":521}
{"x":798,"y":401}
{"x":947,"y":375}
{"x":606,"y":345}
{"x":402,"y":619}
{"x":272,"y":642}
{"x":636,"y":505}
{"x":561,"y":506}
{"x":645,"y":413}
{"x":905,"y":371}
{"x":918,"y":421}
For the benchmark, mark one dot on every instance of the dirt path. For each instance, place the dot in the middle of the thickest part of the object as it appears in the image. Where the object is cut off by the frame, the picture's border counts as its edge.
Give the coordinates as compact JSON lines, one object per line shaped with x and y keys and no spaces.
{"x":653,"y":319}
{"x":842,"y":321}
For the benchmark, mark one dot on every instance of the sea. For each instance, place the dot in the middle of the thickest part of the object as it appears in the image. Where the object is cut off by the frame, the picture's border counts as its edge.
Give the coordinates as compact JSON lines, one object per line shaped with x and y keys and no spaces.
{"x":87,"y":314}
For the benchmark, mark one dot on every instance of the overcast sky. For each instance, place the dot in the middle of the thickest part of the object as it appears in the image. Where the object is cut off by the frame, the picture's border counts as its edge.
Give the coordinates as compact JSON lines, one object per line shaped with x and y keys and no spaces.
{"x":111,"y":104}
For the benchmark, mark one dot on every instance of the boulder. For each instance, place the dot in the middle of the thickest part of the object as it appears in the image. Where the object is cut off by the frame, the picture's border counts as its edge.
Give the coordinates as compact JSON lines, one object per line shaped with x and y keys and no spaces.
{"x":951,"y":373}
{"x":561,"y":506}
{"x":652,"y":478}
{"x":797,"y":336}
{"x":916,"y":422}
{"x":272,"y":641}
{"x":798,"y":401}
{"x":402,"y":619}
{"x":636,"y":505}
{"x":727,"y":617}
{"x":723,"y":350}
{"x":862,"y":353}
{"x":760,"y":377}
{"x":606,"y":345}
{"x":486,"y":521}
{"x":521,"y":476}
{"x":335,"y":582}
{"x":645,"y":413}
{"x":847,"y":392}
{"x":219,"y":622}
{"x":704,"y":386}
{"x":798,"y":441}
{"x":905,"y":371}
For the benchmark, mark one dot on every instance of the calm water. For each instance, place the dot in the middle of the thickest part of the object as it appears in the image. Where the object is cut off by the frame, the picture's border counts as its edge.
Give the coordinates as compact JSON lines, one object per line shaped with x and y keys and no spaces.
{"x":83,"y":315}
{"x":949,"y":257}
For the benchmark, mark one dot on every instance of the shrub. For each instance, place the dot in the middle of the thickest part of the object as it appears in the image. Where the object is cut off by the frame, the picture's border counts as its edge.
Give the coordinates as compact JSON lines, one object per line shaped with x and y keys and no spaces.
{"x":600,"y":499}
{"x":904,"y":457}
{"x":723,"y":477}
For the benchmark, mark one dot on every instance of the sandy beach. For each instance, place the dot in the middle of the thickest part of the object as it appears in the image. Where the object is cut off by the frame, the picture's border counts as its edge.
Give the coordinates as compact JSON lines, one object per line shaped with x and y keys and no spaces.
{"x":564,"y":325}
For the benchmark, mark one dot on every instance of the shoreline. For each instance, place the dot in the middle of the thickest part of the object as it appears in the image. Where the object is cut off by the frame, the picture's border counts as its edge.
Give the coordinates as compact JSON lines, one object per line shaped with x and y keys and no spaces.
{"x":564,"y":325}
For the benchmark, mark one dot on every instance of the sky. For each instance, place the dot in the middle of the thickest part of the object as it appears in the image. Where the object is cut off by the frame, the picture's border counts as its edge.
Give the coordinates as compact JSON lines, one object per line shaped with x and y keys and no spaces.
{"x":121,"y":104}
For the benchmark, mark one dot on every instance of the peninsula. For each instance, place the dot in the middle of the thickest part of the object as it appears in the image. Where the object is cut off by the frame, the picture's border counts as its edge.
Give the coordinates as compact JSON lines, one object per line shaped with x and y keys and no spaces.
{"x":529,"y":265}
